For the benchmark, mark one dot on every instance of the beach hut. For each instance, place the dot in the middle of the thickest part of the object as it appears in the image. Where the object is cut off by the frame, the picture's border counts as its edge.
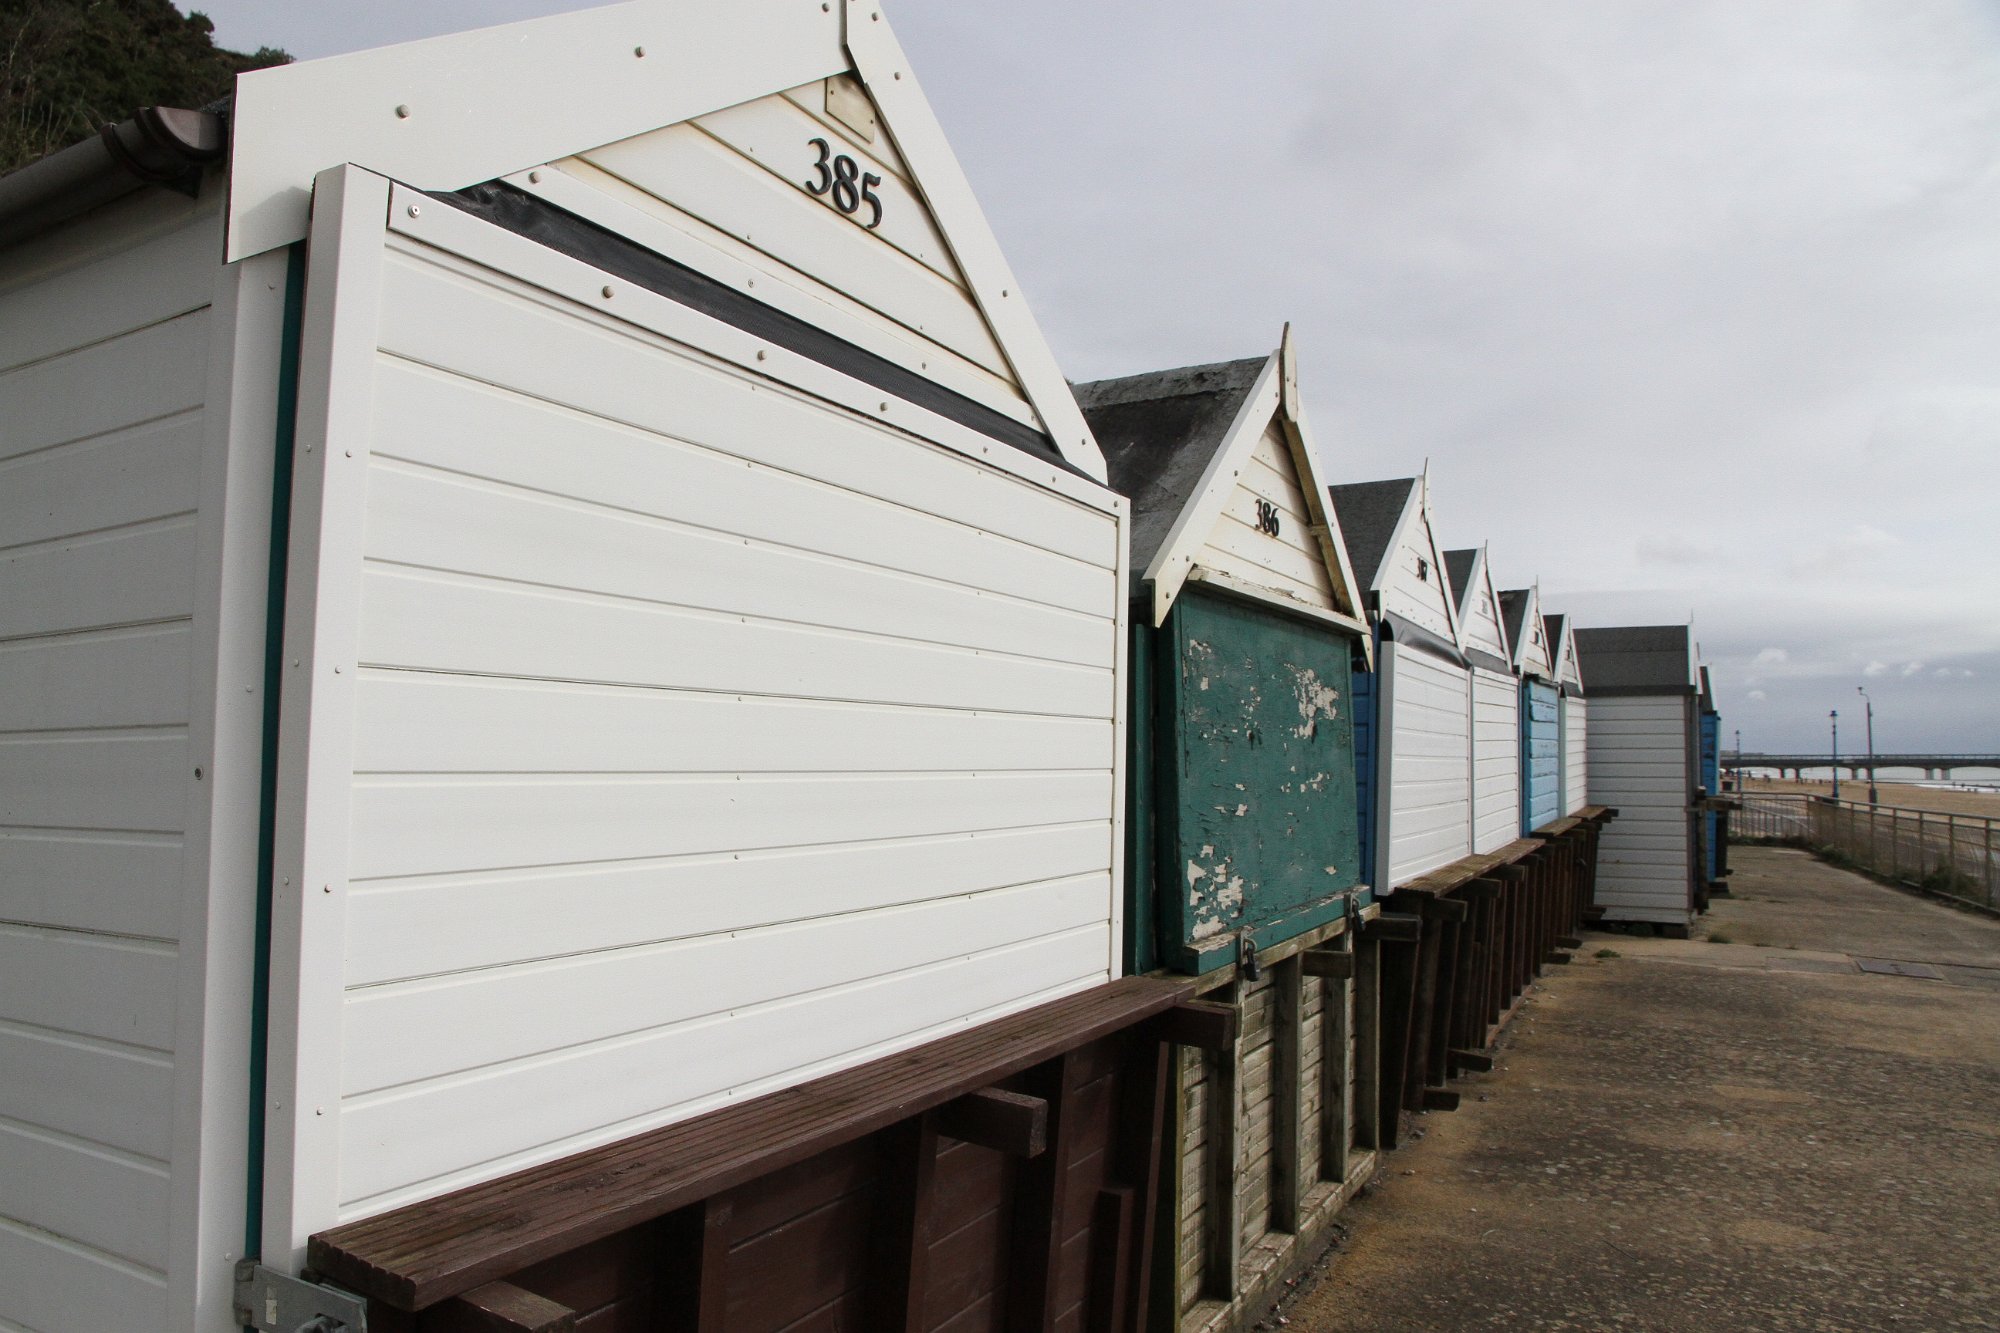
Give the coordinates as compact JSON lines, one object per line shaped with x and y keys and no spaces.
{"x":1643,"y":761}
{"x":1575,"y":730}
{"x":1533,"y":654}
{"x":1496,"y":701}
{"x":1417,"y":789}
{"x":1714,"y":819}
{"x":1244,"y":863}
{"x":563,"y":710}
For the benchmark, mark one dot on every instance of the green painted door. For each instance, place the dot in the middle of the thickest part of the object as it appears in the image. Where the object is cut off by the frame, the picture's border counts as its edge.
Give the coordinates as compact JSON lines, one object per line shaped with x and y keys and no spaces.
{"x":1255,"y":760}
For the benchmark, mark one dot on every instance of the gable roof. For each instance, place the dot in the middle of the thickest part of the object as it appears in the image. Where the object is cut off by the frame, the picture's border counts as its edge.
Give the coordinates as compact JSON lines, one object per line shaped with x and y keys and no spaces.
{"x":1514,"y":603}
{"x":1180,"y":440}
{"x":1370,"y":513}
{"x":448,"y":113}
{"x":1637,"y":659}
{"x":1559,"y":635}
{"x":1157,"y":432}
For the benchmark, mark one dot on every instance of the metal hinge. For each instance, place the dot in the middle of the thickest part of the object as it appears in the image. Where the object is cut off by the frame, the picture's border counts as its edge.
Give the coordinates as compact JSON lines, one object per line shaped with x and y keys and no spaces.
{"x":272,"y":1302}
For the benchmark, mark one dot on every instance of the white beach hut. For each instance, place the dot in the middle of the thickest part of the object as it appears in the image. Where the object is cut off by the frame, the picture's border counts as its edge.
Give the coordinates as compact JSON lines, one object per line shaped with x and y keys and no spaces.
{"x":1642,"y":757}
{"x":1421,"y":691}
{"x":548,"y":586}
{"x":1496,"y":701}
{"x":1575,"y":715}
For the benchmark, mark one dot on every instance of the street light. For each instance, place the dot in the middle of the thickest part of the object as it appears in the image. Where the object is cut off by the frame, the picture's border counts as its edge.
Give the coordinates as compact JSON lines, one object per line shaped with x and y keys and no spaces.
{"x":1739,"y":759}
{"x":1863,"y":692}
{"x":1835,"y":715}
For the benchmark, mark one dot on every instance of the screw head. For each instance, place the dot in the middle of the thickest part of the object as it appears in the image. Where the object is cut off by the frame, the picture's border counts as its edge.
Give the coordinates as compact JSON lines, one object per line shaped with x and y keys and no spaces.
{"x":607,"y":293}
{"x":403,"y":111}
{"x":414,"y":210}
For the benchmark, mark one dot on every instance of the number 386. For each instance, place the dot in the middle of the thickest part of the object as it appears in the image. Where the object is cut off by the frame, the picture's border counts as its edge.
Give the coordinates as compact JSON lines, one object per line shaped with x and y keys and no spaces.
{"x":843,"y":181}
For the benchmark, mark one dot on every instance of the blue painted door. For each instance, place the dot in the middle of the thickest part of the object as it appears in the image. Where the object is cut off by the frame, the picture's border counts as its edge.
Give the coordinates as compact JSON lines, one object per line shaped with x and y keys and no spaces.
{"x":1711,"y":780}
{"x":1362,"y":689}
{"x":1541,"y":755}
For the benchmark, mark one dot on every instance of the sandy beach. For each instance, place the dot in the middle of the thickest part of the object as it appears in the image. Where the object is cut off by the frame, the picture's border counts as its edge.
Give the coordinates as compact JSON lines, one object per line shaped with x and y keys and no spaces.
{"x":1906,"y":795}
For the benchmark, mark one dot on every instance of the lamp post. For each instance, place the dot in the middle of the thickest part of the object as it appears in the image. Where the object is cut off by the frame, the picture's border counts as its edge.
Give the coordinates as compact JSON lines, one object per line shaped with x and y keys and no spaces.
{"x":1835,"y":715}
{"x":1739,"y":759}
{"x":1862,"y":690}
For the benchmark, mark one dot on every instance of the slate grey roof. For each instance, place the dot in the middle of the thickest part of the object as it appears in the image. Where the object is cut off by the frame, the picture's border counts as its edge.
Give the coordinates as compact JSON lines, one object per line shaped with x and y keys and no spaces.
{"x":1707,"y":693}
{"x":1368,"y":512}
{"x":1513,"y":610}
{"x":1158,"y":432}
{"x":1635,"y":659}
{"x":1458,"y":564}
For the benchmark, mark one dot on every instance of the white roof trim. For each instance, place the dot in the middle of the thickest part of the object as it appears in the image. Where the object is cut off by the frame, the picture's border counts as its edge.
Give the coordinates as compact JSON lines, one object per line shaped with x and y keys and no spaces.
{"x":885,"y":70}
{"x":1418,"y":507}
{"x":452,"y":111}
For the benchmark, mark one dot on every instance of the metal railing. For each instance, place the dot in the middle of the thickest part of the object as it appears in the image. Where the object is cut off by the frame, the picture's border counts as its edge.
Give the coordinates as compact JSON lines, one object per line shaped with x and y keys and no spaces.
{"x":1761,"y":817}
{"x":1929,"y":849}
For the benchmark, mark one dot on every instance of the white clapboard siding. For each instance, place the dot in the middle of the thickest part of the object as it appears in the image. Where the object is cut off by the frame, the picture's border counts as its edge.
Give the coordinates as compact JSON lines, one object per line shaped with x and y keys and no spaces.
{"x":1430,"y":764}
{"x":401,"y":929}
{"x":416,"y":1141}
{"x":1575,"y":753}
{"x":1292,"y":563}
{"x":1638,"y":764}
{"x":744,"y":173}
{"x":104,"y":363}
{"x":706,"y":735}
{"x":1496,"y":759}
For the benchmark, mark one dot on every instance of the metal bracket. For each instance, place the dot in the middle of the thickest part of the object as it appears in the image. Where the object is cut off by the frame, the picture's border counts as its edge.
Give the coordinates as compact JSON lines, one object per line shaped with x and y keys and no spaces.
{"x":273,"y":1302}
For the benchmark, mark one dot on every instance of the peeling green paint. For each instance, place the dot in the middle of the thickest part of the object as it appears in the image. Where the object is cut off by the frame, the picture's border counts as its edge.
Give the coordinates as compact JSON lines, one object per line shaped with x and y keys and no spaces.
{"x":1252,"y":789}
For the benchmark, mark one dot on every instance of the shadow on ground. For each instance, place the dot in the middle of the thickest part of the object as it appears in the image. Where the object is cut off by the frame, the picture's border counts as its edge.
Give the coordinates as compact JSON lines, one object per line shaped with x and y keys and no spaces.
{"x":1700,"y":1135}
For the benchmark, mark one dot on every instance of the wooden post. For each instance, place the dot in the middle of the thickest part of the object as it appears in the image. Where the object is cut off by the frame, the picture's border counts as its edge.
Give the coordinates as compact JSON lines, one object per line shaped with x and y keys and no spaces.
{"x":1989,"y":865}
{"x":1288,"y":1184}
{"x":903,"y":1240}
{"x":1367,"y":1042}
{"x":1224,"y":1225}
{"x":1039,"y":1198}
{"x":1336,"y":1070}
{"x":1144,"y":1149}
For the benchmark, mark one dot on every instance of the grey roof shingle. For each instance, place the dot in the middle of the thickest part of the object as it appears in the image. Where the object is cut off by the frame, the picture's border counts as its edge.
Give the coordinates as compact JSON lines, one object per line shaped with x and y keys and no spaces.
{"x":1158,"y":432}
{"x":1458,"y":564}
{"x":1368,"y":512}
{"x":1513,"y":610}
{"x":1635,"y":659}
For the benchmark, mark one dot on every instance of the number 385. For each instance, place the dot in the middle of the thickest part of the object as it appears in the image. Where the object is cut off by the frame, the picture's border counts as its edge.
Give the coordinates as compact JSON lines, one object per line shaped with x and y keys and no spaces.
{"x":843,"y":181}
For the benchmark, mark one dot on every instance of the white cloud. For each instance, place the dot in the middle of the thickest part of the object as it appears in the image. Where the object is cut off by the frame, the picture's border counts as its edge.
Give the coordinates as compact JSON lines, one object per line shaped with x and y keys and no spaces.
{"x":1912,"y":668}
{"x":1758,"y":696}
{"x":1877,"y":669}
{"x":1770,"y":657}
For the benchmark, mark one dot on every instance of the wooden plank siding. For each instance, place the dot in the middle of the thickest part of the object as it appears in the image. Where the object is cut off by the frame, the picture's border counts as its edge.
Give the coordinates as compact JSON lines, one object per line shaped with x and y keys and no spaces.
{"x":106,"y":342}
{"x":1496,"y":759}
{"x":1575,"y":753}
{"x":715,"y":735}
{"x":1430,"y":761}
{"x":1640,"y":760}
{"x":1291,"y":564}
{"x":737,"y":180}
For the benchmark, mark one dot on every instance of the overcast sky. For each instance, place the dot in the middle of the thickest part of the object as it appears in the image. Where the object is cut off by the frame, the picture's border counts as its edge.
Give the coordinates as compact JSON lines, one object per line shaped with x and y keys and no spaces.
{"x":1693,"y":305}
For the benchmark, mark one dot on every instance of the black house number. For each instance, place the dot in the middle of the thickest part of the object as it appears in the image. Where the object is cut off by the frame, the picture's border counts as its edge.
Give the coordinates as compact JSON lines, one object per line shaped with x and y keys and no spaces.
{"x":843,"y":181}
{"x":1267,"y":518}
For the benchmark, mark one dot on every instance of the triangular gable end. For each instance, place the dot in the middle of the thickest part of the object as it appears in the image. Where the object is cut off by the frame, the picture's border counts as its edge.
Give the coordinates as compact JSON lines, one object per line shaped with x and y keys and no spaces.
{"x":777,"y":79}
{"x":1412,"y":583}
{"x":1481,"y":626}
{"x":1258,"y":521}
{"x":1566,"y":666}
{"x":1530,"y":646}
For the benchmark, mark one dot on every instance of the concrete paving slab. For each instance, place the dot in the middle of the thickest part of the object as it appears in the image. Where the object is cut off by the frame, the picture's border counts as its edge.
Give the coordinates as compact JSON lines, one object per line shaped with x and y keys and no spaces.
{"x":1712,"y":1144}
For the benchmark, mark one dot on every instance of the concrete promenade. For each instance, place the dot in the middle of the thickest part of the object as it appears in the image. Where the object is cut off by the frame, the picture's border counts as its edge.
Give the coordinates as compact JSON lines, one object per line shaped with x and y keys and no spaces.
{"x":1796,"y":1129}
